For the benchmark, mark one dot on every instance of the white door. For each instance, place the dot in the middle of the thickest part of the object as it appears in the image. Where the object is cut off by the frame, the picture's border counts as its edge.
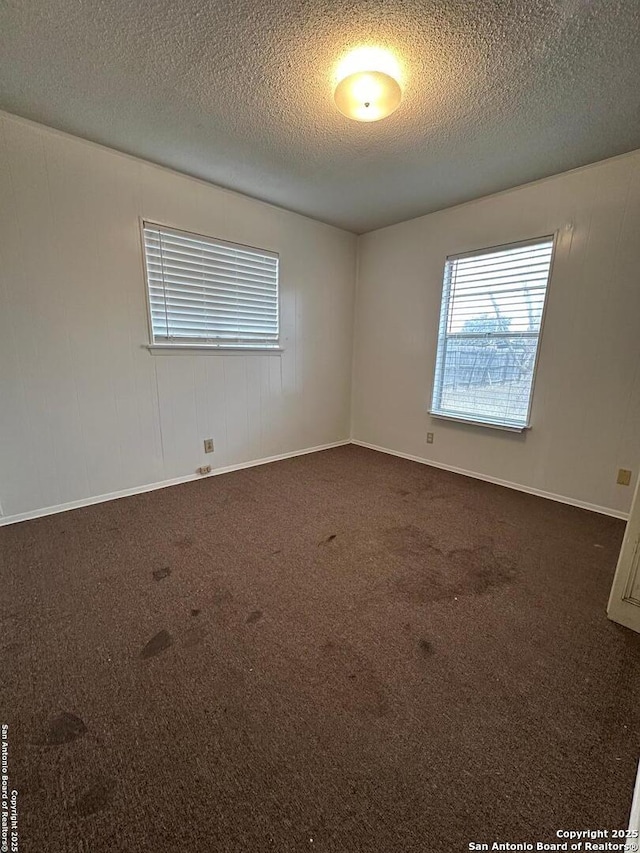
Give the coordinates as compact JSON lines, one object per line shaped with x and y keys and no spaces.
{"x":624,"y":602}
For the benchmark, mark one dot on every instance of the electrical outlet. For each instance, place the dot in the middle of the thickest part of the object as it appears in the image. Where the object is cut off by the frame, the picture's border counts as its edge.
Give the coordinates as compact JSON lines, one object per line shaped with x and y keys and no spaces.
{"x":208,"y":445}
{"x":624,"y":477}
{"x":204,"y":469}
{"x":429,"y":438}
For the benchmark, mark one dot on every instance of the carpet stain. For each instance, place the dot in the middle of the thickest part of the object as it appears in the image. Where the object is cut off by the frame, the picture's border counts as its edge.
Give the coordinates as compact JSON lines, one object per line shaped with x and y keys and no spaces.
{"x":96,"y":798}
{"x":253,"y":617}
{"x":425,"y":647}
{"x":356,"y":686}
{"x":65,"y":728}
{"x":427,"y":573}
{"x":159,"y":574}
{"x":195,"y":611}
{"x":328,"y":539}
{"x":479,"y":569}
{"x":184,"y":541}
{"x":159,"y":643}
{"x":221,"y":597}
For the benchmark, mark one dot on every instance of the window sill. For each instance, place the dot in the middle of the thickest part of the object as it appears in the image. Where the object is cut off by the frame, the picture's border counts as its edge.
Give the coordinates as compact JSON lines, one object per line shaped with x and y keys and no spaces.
{"x":204,"y":349}
{"x":473,"y":422}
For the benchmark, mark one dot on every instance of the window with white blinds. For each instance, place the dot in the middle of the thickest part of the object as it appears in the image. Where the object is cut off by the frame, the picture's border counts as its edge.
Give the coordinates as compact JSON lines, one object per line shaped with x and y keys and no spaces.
{"x":207,"y":292}
{"x":490,"y":322}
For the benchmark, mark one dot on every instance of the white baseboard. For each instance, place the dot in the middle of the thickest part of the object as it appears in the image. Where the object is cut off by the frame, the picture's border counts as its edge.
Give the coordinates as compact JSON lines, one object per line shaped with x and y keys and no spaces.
{"x":603,"y":510}
{"x":150,"y":487}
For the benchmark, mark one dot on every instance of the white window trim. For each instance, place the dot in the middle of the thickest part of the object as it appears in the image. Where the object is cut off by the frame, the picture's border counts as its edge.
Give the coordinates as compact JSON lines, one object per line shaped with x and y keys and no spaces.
{"x":474,"y":422}
{"x":209,"y":349}
{"x":471,"y":421}
{"x":193,"y":348}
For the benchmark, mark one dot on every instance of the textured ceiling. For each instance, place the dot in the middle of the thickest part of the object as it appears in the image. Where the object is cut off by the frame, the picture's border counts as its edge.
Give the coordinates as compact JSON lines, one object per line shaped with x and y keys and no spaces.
{"x":497,"y":92}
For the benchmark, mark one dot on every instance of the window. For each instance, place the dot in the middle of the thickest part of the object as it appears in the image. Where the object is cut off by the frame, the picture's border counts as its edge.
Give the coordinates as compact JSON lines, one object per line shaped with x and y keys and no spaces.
{"x":490,"y":322}
{"x":205,"y":292}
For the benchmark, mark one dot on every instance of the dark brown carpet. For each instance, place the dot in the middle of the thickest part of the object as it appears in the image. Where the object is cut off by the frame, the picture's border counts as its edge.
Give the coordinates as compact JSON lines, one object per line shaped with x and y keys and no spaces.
{"x":340,"y":652}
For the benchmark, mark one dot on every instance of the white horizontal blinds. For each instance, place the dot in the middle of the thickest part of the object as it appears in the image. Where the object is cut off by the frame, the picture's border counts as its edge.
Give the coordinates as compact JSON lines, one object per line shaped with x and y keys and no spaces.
{"x":490,"y":321}
{"x":206,"y":291}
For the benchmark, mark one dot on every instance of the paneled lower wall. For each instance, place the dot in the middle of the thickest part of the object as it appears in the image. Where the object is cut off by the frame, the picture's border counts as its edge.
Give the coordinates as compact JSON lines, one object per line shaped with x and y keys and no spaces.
{"x":586,"y":406}
{"x":85,"y":409}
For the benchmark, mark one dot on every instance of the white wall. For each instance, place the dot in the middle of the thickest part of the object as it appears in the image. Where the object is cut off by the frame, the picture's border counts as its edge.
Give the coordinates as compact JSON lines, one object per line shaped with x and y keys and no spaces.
{"x":86,"y":410}
{"x":586,"y":407}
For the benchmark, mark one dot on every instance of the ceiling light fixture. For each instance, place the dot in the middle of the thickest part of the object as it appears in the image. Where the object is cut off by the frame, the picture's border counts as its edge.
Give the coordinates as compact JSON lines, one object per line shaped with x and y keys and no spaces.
{"x":368,"y":87}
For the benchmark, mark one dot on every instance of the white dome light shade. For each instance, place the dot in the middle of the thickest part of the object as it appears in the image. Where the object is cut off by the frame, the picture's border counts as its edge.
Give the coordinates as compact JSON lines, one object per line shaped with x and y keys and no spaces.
{"x":368,"y":95}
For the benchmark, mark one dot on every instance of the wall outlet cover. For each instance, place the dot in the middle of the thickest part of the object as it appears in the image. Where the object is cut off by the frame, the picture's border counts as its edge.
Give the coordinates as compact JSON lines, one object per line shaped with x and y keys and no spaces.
{"x":208,"y":445}
{"x":429,"y":438}
{"x":624,"y":477}
{"x":204,"y":469}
